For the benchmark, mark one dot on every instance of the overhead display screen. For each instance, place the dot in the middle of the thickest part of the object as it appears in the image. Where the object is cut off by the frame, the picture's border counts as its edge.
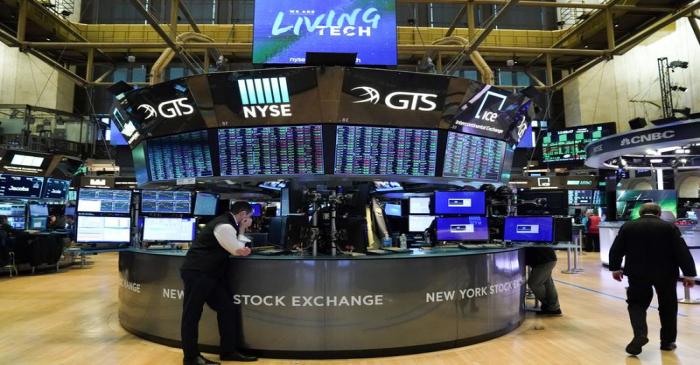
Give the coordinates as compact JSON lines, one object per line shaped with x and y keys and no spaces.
{"x":103,"y":229}
{"x":290,"y":150}
{"x":474,"y":228}
{"x":15,"y":186}
{"x":460,"y":202}
{"x":529,"y":229}
{"x":55,"y":189}
{"x":385,"y":151}
{"x":104,"y":201}
{"x":153,"y":201}
{"x":473,"y":157}
{"x":284,"y":30}
{"x":582,"y":197}
{"x":570,"y":144}
{"x":179,"y":156}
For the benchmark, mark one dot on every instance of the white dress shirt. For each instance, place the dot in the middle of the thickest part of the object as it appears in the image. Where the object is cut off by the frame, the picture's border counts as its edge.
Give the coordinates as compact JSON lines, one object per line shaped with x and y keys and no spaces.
{"x":229,"y":239}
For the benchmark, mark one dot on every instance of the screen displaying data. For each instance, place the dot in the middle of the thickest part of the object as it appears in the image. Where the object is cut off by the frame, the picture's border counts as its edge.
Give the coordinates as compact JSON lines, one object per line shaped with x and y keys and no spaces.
{"x":154,"y":201}
{"x":385,"y":151}
{"x":205,"y":204}
{"x":460,"y":202}
{"x":168,"y":229}
{"x":14,"y":214}
{"x":103,"y":229}
{"x":16,"y":186}
{"x":55,"y":189}
{"x":104,"y":201}
{"x":419,"y":223}
{"x":473,"y":157}
{"x":419,"y":205}
{"x":581,"y":197}
{"x":38,"y":210}
{"x":179,"y":156}
{"x":473,"y":228}
{"x":393,"y":210}
{"x":529,"y":229}
{"x":290,"y":150}
{"x":570,"y":144}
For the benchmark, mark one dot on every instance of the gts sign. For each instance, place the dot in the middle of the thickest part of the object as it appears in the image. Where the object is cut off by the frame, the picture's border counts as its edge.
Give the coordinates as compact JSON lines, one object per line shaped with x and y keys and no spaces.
{"x":399,"y":100}
{"x":167,"y":109}
{"x":649,"y":137}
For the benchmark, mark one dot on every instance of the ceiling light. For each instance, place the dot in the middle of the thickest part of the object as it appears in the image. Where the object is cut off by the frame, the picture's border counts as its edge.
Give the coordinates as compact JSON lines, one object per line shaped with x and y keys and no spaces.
{"x":656,"y":160}
{"x":683,"y":160}
{"x":649,"y":151}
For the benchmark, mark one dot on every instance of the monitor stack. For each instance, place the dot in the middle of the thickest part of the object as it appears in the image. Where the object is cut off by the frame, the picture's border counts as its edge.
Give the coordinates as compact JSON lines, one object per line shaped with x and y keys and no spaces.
{"x":461,"y":216}
{"x":167,"y":216}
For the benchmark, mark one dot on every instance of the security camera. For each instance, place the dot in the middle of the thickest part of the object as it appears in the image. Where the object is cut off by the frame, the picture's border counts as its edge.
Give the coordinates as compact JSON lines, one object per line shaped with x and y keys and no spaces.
{"x":131,"y":58}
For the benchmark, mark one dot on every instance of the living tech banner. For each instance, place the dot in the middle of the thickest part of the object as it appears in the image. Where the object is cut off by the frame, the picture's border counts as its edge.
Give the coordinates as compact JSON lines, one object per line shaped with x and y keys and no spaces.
{"x":284,"y":30}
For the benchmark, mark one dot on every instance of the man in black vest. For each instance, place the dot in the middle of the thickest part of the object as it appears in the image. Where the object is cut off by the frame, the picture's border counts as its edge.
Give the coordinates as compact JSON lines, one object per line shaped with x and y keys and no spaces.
{"x":653,"y":250}
{"x":204,"y":275}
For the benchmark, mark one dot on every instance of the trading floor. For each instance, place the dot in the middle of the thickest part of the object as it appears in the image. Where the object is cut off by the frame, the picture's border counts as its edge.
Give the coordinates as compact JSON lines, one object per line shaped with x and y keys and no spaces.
{"x":72,"y":319}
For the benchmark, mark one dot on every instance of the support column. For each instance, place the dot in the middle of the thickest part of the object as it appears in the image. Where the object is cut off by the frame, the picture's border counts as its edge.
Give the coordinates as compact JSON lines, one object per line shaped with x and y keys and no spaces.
{"x":471,"y":22}
{"x":174,"y":8}
{"x":550,"y":73}
{"x":90,"y":67}
{"x":22,"y":20}
{"x":610,"y":29}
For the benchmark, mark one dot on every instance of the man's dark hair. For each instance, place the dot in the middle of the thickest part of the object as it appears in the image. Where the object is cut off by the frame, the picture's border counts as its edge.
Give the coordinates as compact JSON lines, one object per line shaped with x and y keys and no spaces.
{"x":3,"y":218}
{"x":240,"y":206}
{"x":650,"y":208}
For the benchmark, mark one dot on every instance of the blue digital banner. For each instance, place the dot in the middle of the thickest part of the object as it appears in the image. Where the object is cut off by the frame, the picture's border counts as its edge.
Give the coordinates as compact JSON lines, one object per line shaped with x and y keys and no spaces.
{"x":284,"y":30}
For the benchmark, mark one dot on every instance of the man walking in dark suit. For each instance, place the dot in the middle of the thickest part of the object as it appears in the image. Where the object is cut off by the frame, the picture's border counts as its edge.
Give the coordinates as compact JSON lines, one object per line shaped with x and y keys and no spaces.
{"x":204,"y":275}
{"x":653,"y":250}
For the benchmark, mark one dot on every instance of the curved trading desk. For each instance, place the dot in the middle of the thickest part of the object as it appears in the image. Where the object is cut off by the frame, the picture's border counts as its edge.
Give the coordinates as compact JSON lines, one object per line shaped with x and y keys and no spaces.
{"x":301,"y":306}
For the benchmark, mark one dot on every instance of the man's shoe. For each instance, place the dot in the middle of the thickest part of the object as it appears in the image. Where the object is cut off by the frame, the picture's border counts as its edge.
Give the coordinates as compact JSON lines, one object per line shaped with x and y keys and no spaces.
{"x":199,"y":360}
{"x":668,"y":346}
{"x":549,"y":312}
{"x":635,"y":347}
{"x":237,"y":356}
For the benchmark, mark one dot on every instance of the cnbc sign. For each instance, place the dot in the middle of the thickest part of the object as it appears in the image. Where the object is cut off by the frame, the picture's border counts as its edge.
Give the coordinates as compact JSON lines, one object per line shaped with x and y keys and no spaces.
{"x":265,"y":97}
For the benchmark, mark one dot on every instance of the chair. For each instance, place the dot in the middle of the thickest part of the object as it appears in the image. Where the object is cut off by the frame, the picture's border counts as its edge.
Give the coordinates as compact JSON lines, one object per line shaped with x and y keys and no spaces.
{"x":7,"y":256}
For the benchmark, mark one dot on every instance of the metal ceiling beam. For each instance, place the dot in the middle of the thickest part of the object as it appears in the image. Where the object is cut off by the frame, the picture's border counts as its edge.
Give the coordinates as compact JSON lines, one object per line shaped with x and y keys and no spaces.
{"x":488,"y":27}
{"x":694,"y":25}
{"x":550,"y":4}
{"x":213,"y":53}
{"x":153,"y":22}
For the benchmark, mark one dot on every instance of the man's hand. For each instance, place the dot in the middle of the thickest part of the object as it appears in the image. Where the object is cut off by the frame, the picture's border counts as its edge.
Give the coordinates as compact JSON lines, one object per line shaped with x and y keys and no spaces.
{"x":688,"y":282}
{"x":617,"y":275}
{"x":245,"y":223}
{"x":245,"y":251}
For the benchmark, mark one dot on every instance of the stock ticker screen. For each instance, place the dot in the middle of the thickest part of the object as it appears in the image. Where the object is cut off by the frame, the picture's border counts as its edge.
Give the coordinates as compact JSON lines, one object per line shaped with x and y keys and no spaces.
{"x":179,"y":156}
{"x":570,"y":144}
{"x":154,"y":201}
{"x":385,"y":151}
{"x":292,"y":150}
{"x":473,"y":157}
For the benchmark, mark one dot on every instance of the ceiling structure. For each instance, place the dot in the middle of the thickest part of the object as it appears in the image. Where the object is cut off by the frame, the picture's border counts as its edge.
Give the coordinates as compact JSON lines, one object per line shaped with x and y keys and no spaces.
{"x":607,"y":30}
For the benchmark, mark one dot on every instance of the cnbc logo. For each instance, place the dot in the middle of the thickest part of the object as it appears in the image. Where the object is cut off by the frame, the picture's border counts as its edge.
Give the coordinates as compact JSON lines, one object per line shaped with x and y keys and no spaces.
{"x":266,"y":97}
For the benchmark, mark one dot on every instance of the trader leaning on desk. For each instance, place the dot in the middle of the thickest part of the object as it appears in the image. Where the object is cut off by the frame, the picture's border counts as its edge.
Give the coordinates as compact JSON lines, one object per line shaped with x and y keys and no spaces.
{"x":204,"y":275}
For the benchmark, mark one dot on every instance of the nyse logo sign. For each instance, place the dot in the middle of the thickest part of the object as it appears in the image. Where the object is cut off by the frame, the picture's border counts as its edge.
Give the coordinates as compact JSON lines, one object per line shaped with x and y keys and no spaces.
{"x":649,"y":137}
{"x":399,"y":100}
{"x":487,"y":115}
{"x":167,"y":109}
{"x":266,"y":97}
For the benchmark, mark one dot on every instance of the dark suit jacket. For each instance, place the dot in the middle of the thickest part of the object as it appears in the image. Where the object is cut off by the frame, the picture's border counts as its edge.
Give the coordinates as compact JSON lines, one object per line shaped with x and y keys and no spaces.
{"x":653,"y":250}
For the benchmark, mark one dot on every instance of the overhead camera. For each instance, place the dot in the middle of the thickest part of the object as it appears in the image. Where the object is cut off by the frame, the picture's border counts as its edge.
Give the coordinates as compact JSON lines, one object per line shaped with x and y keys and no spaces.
{"x":131,"y":58}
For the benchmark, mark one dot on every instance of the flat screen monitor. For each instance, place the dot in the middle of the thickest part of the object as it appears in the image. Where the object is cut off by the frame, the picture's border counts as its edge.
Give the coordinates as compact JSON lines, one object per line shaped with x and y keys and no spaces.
{"x":285,"y":30}
{"x":392,"y":209}
{"x":38,"y":223}
{"x":179,"y":156}
{"x":205,"y":203}
{"x":169,"y":229}
{"x":581,"y":197}
{"x":38,"y":210}
{"x":570,"y":144}
{"x":460,"y":202}
{"x":273,"y":185}
{"x":474,"y":228}
{"x":104,"y":201}
{"x":174,"y":202}
{"x":385,"y":151}
{"x":55,"y":189}
{"x":14,"y":213}
{"x":100,"y":229}
{"x":70,"y":211}
{"x":257,"y":210}
{"x":292,"y":150}
{"x":17,"y":222}
{"x":529,"y":229}
{"x":419,"y":205}
{"x":382,"y":186}
{"x":419,"y":223}
{"x":473,"y":157}
{"x":16,"y":186}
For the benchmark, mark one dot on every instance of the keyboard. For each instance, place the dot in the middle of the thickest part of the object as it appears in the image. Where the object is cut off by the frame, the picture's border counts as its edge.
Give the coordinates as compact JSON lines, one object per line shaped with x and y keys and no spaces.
{"x":270,"y":252}
{"x":397,"y":249}
{"x":379,"y":252}
{"x":481,"y":246}
{"x":257,"y":249}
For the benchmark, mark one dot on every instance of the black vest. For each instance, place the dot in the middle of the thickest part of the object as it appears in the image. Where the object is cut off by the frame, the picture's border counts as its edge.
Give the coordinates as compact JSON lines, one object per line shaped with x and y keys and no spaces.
{"x":206,"y":254}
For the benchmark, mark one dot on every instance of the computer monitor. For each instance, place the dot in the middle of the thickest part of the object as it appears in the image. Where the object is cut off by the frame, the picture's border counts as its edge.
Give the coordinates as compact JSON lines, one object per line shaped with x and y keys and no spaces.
{"x":169,"y":229}
{"x":392,"y":209}
{"x":257,"y":210}
{"x":169,"y":202}
{"x":419,"y":223}
{"x":460,"y":202}
{"x":38,"y":223}
{"x":70,"y":211}
{"x":383,"y":186}
{"x":419,"y":205}
{"x":529,"y":229}
{"x":104,"y":201}
{"x":101,"y":229}
{"x":205,"y":203}
{"x":38,"y":210}
{"x":474,"y":228}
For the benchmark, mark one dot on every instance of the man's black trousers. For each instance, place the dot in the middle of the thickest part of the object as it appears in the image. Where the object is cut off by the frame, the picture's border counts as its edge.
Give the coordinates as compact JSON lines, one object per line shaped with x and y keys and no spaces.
{"x":639,"y":295}
{"x":201,"y":288}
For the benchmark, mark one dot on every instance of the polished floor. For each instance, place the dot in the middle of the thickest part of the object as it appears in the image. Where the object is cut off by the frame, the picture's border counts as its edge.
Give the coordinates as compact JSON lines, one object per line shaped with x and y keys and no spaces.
{"x":71,"y":318}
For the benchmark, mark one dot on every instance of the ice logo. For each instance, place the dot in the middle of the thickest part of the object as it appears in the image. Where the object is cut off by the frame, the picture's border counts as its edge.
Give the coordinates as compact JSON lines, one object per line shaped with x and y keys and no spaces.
{"x":148,"y":110}
{"x":328,"y":24}
{"x":371,"y":95}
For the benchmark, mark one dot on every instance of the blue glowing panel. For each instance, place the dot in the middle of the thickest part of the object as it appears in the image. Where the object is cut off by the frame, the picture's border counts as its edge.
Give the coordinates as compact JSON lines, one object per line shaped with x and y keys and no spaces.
{"x":529,"y":229}
{"x":473,"y":228}
{"x":460,"y":202}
